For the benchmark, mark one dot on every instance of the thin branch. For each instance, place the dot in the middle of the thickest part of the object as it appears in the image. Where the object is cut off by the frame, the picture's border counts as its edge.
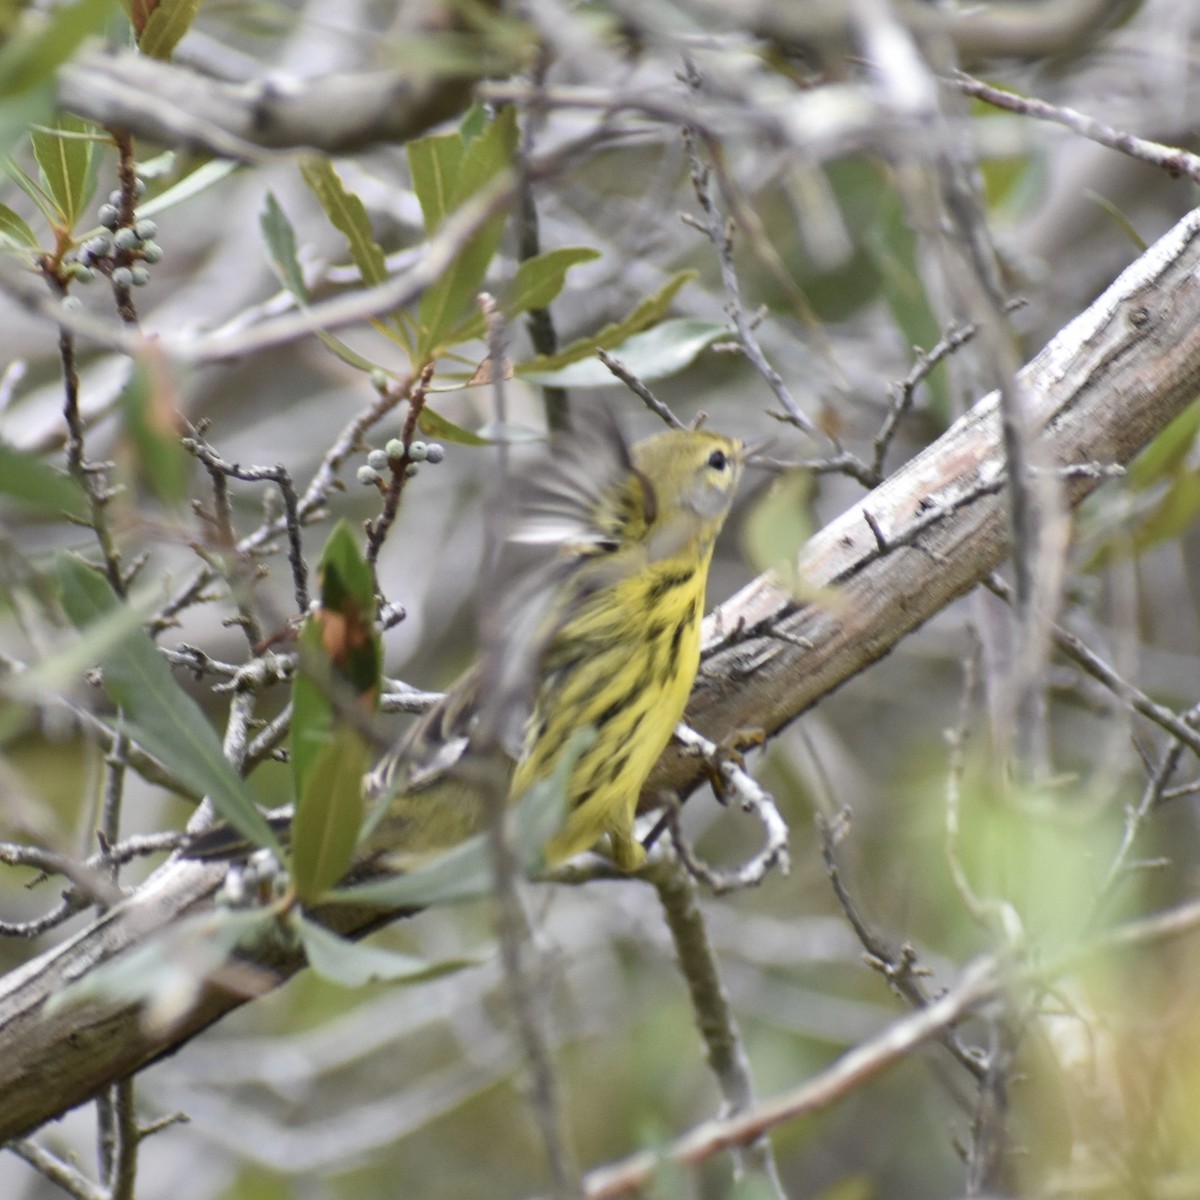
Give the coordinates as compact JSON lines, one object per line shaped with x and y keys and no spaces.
{"x":639,"y":389}
{"x":1174,"y":161}
{"x":710,"y":1006}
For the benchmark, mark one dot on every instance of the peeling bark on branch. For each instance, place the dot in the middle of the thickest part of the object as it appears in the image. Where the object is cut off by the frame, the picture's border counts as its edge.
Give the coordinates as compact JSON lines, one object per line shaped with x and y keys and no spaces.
{"x":1102,"y":389}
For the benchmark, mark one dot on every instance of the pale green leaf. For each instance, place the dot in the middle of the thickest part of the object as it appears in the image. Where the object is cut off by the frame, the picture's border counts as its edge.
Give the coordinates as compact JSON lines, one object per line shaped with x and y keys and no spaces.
{"x":192,"y":184}
{"x":26,"y":478}
{"x":28,"y":61}
{"x":15,"y":229}
{"x":165,"y":27}
{"x":434,"y":163}
{"x":660,"y":351}
{"x":349,"y":216}
{"x":648,"y":312}
{"x":537,"y":282}
{"x":160,"y":716}
{"x":280,"y":237}
{"x":354,"y":964}
{"x":67,"y":166}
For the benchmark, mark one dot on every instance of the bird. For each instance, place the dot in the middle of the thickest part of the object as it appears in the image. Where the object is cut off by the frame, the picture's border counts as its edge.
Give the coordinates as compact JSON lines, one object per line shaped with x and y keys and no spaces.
{"x":603,"y":636}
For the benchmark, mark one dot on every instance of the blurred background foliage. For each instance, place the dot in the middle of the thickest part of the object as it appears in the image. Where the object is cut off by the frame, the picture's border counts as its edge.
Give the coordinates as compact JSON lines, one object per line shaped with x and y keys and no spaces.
{"x":316,"y":1091}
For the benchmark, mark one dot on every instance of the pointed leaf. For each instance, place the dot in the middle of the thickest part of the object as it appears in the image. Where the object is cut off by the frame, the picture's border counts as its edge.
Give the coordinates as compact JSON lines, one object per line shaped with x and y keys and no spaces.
{"x":537,"y":282}
{"x":192,"y":184}
{"x":66,"y":164}
{"x":15,"y":230}
{"x":26,"y":478}
{"x":165,"y":26}
{"x":280,"y":237}
{"x":354,"y":964}
{"x":434,"y":163}
{"x":435,"y":425}
{"x":28,"y":62}
{"x":649,"y":312}
{"x":159,"y":714}
{"x":348,"y":215}
{"x":443,"y":304}
{"x":663,"y":350}
{"x":329,"y":813}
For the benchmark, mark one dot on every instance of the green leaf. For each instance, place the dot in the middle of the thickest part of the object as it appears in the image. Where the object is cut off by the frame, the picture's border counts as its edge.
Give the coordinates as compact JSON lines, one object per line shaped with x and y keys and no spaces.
{"x":15,"y":230}
{"x":537,"y":282}
{"x":1168,"y":451}
{"x":29,"y":61}
{"x":280,"y":237}
{"x":444,"y":303}
{"x":168,"y":973}
{"x":348,"y":215}
{"x":160,"y":716}
{"x":281,"y":244}
{"x":67,"y":164}
{"x":26,"y":478}
{"x":649,"y":312}
{"x":192,"y":184}
{"x":662,"y":350}
{"x":353,"y":964}
{"x":329,"y":813}
{"x":165,"y":27}
{"x":465,"y":872}
{"x":434,"y":163}
{"x":152,"y":426}
{"x":779,"y":523}
{"x":341,"y":666}
{"x":435,"y":425}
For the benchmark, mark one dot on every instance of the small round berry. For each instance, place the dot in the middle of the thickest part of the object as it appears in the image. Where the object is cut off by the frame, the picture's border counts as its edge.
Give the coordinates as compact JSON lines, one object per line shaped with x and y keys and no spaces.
{"x":410,"y":470}
{"x":379,"y":380}
{"x":417,"y":451}
{"x":82,"y":273}
{"x":368,"y":475}
{"x":122,"y":277}
{"x":110,"y":216}
{"x":394,"y":450}
{"x":127,"y":239}
{"x":146,"y":229}
{"x":435,"y":452}
{"x":377,"y":460}
{"x":100,"y":246}
{"x":139,"y":187}
{"x":152,"y":252}
{"x":72,"y":304}
{"x":140,"y":276}
{"x":115,"y":197}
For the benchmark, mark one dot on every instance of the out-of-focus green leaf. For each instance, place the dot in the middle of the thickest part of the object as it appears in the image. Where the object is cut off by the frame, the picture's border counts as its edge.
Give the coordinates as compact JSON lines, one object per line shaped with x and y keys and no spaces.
{"x":434,"y":163}
{"x":192,"y":184}
{"x":28,"y":61}
{"x":280,"y":237}
{"x":281,"y":245}
{"x":442,"y":305}
{"x":15,"y":230}
{"x":341,"y":664}
{"x":465,"y":872}
{"x":778,"y":525}
{"x":168,"y":973}
{"x":649,"y":312}
{"x":66,"y":158}
{"x":26,"y":478}
{"x":160,"y":716}
{"x":537,"y":282}
{"x":329,"y":813}
{"x":349,"y":216}
{"x":1119,"y":219}
{"x":355,"y":964}
{"x":152,"y":426}
{"x":434,"y":425}
{"x":165,"y":27}
{"x":1169,"y":451}
{"x":662,"y":350}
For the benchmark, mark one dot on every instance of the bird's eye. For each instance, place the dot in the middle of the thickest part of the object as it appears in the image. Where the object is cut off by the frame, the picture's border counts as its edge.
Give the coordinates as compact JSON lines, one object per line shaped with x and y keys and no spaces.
{"x":717,"y":460}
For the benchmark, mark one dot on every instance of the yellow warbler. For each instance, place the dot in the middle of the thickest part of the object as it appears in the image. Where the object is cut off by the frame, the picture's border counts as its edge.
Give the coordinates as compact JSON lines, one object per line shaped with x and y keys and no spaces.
{"x":605,"y":636}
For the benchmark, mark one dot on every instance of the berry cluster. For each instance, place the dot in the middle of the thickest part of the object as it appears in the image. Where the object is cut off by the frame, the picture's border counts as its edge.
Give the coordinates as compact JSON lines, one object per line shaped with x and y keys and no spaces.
{"x":122,"y":252}
{"x":389,"y":458}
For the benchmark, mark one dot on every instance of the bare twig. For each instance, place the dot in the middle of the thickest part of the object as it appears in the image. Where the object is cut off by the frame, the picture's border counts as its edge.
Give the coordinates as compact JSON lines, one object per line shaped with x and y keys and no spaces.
{"x":639,"y":389}
{"x":710,"y":1006}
